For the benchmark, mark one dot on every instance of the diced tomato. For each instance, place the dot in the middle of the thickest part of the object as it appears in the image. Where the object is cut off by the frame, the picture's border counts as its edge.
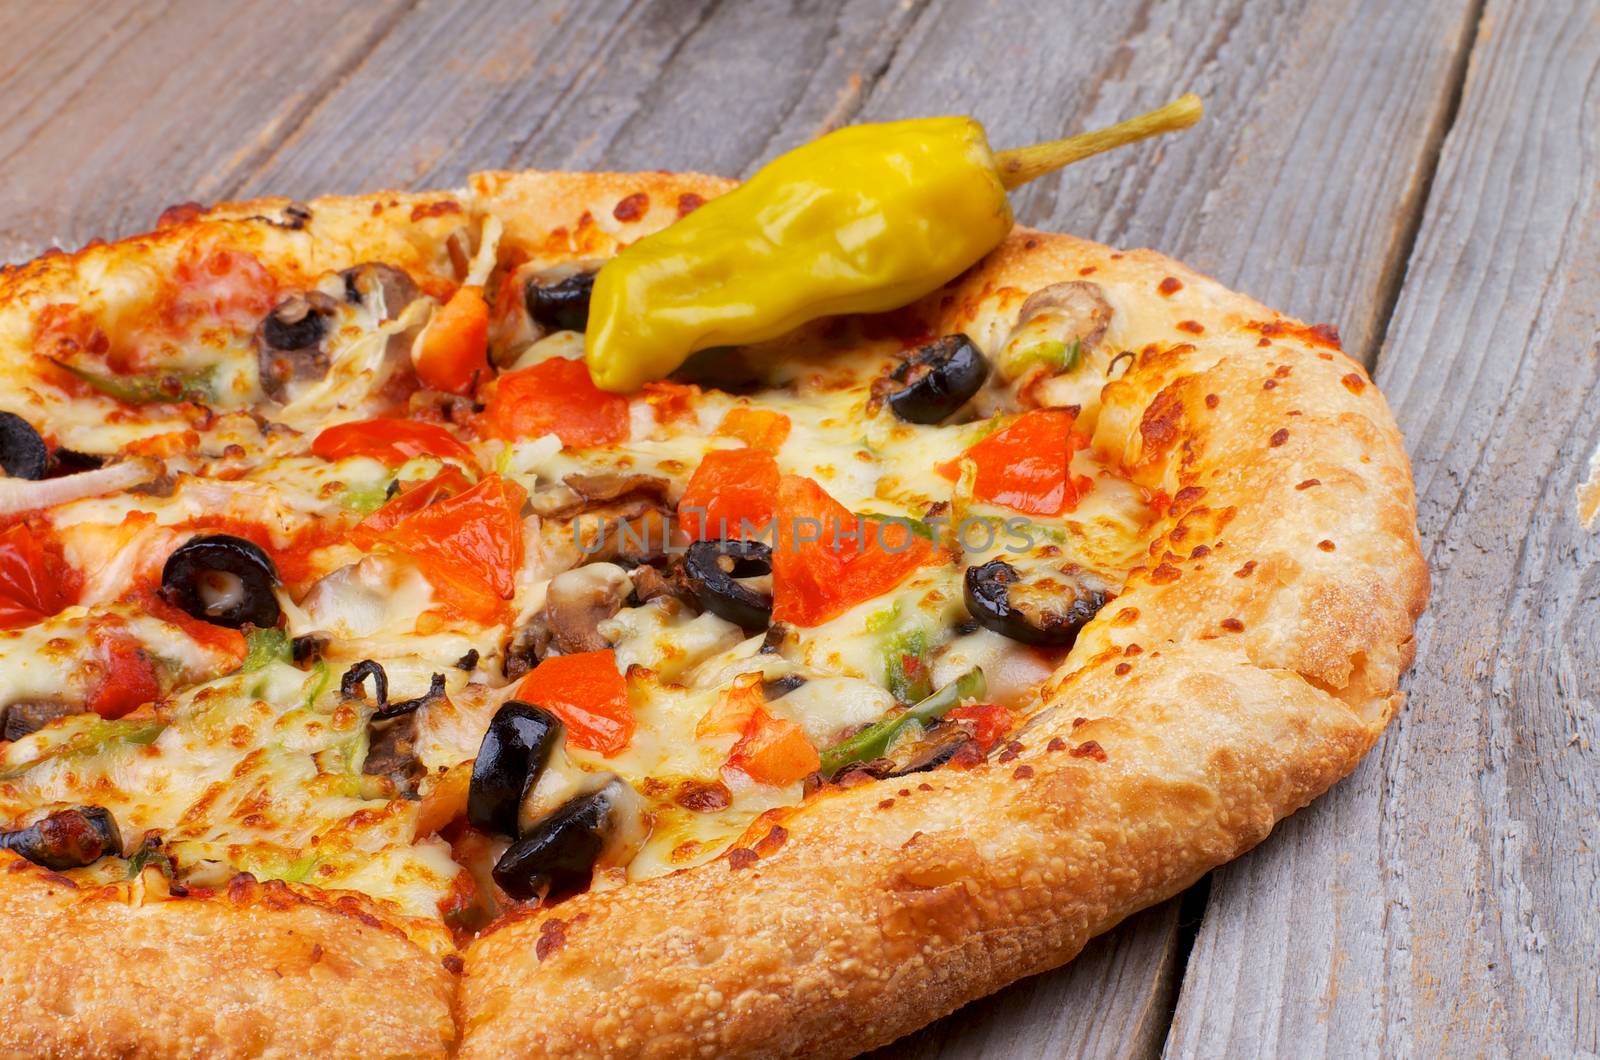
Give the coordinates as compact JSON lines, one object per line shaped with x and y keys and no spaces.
{"x":774,"y":751}
{"x":480,"y":529}
{"x":453,"y":354}
{"x":757,"y":428}
{"x":827,"y":561}
{"x":466,"y":539}
{"x":990,"y":722}
{"x":734,"y":709}
{"x":410,"y":500}
{"x":35,"y":579}
{"x":730,"y":493}
{"x":391,"y":441}
{"x":127,"y":678}
{"x":672,"y":401}
{"x":461,"y":593}
{"x":556,"y":397}
{"x":1026,"y":465}
{"x":588,"y":694}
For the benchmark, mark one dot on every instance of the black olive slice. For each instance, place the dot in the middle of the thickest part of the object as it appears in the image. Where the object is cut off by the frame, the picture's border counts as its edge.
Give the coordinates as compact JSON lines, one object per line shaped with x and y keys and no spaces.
{"x":939,"y":378}
{"x":67,"y":839}
{"x":23,"y":453}
{"x":1052,"y":625}
{"x":291,"y":340}
{"x":714,"y":568}
{"x":70,"y":462}
{"x":557,"y":856}
{"x":434,"y":693}
{"x":562,"y":305}
{"x":308,"y":647}
{"x":224,"y":580}
{"x":297,"y":322}
{"x":513,"y":754}
{"x":350,"y":683}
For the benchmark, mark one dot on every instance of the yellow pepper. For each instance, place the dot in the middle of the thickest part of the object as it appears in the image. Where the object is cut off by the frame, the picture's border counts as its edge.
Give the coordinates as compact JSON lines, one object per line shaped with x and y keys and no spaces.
{"x":863,"y":220}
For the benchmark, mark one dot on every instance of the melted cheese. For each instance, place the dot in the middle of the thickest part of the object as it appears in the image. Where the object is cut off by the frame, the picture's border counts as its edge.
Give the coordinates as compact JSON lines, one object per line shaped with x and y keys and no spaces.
{"x":262,"y":771}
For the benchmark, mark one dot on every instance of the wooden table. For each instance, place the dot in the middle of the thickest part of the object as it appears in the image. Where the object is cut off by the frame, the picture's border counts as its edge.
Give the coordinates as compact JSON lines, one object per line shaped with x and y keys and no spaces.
{"x":1424,"y":173}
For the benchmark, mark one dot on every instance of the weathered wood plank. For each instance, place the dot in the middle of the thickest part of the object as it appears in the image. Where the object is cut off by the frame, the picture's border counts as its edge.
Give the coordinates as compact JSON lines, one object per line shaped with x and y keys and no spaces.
{"x":1446,"y":900}
{"x":115,"y":111}
{"x":603,"y":85}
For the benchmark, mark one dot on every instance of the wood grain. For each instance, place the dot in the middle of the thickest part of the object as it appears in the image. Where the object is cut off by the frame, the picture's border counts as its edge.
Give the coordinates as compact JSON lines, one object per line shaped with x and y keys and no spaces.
{"x":1445,"y":900}
{"x":714,"y":87}
{"x":113,"y":112}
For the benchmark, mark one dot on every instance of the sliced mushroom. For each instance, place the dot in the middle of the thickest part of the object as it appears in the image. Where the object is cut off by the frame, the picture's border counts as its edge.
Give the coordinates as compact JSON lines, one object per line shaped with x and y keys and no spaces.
{"x":23,"y":453}
{"x":581,"y":493}
{"x":631,"y":531}
{"x":577,"y":601}
{"x":224,"y":580}
{"x":671,"y":580}
{"x":382,"y":289}
{"x":292,"y":341}
{"x":778,"y":687}
{"x":67,"y":839}
{"x":1045,"y":610}
{"x":29,"y":716}
{"x":392,"y":754}
{"x":614,"y":485}
{"x":1056,"y":326}
{"x":944,"y":743}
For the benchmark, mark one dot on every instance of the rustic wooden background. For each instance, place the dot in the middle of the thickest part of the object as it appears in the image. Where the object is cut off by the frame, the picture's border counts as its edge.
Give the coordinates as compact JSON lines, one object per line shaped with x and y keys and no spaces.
{"x":1423,"y":173}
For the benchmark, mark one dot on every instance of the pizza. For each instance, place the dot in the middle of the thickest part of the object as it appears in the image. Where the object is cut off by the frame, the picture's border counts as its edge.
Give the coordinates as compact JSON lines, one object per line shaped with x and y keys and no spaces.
{"x":372,"y":683}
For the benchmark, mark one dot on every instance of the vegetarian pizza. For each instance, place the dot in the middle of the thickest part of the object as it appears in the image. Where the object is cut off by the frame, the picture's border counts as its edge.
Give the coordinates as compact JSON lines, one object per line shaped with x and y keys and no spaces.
{"x":619,"y":614}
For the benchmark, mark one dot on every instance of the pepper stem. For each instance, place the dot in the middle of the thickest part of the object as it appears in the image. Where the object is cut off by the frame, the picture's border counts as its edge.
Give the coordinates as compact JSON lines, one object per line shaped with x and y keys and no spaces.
{"x":1022,"y":164}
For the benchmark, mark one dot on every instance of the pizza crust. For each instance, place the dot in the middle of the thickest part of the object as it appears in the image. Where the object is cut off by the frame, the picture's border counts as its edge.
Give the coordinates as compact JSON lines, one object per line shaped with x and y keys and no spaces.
{"x":256,"y":970}
{"x":1249,"y":663}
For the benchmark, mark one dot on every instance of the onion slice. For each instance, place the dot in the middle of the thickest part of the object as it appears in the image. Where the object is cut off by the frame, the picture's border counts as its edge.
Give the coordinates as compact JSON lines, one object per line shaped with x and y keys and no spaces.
{"x":26,"y":495}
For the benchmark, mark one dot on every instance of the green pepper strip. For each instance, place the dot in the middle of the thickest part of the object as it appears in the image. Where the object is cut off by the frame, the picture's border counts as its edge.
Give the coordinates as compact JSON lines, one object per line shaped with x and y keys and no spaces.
{"x":266,"y":646}
{"x":874,"y":740}
{"x":95,"y":739}
{"x":148,"y":388}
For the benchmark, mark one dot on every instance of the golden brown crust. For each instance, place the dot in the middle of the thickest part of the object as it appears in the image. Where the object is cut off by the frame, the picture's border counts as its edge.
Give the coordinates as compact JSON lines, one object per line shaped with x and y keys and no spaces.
{"x":255,"y":971}
{"x":1251,"y":661}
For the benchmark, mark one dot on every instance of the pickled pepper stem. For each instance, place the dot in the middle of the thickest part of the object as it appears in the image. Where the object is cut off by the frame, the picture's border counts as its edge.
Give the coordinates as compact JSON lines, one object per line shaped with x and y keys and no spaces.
{"x":1022,"y":164}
